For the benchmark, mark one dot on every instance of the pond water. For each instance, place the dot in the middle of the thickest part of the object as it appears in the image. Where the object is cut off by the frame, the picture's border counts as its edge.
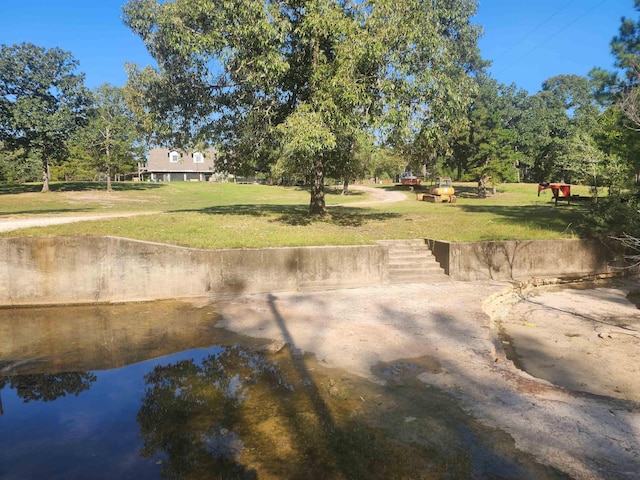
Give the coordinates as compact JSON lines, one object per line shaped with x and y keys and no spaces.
{"x":157,"y":391}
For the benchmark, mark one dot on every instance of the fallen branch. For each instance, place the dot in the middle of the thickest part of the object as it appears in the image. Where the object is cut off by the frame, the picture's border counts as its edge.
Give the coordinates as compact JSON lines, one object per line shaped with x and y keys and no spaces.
{"x":630,"y":243}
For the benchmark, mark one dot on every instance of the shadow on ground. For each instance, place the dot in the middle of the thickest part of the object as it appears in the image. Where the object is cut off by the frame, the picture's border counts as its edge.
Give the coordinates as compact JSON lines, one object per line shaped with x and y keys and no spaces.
{"x":49,"y":211}
{"x":560,"y":219}
{"x":14,"y":188}
{"x":298,"y":215}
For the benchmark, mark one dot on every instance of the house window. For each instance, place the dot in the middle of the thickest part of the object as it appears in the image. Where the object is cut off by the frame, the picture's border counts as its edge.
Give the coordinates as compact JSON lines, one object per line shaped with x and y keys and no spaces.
{"x":174,"y":157}
{"x":198,"y":157}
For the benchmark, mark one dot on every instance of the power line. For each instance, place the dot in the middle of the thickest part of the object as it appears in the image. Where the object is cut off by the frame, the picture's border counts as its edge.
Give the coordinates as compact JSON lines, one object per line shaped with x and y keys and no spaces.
{"x":537,"y":27}
{"x":576,"y":20}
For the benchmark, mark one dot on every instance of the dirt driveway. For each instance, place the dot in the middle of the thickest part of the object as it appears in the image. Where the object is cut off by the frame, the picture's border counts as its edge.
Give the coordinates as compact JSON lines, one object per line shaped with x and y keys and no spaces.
{"x":9,"y":224}
{"x":455,"y":325}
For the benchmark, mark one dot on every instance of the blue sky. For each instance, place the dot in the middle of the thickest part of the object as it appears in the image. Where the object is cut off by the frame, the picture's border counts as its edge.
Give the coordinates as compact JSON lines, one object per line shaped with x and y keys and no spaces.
{"x":527,"y":40}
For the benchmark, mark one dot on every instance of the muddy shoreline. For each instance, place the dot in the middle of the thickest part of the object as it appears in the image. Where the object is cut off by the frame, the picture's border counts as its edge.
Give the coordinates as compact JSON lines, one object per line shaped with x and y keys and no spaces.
{"x":583,"y":435}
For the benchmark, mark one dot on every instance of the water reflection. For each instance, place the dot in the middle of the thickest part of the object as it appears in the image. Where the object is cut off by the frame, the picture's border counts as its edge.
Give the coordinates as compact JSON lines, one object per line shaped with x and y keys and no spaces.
{"x":47,"y":387}
{"x":156,"y":391}
{"x":77,"y":424}
{"x":191,"y":412}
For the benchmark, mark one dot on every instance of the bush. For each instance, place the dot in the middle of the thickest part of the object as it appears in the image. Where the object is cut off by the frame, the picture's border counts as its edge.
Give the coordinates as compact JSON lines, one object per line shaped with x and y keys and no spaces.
{"x":613,"y":216}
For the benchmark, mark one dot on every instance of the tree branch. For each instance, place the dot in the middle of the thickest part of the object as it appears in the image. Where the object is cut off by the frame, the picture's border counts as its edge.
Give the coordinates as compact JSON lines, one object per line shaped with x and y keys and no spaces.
{"x":630,"y":244}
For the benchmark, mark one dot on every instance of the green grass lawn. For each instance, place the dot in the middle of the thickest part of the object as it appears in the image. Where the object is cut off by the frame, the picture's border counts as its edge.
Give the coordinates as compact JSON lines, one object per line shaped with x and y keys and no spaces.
{"x":225,"y":215}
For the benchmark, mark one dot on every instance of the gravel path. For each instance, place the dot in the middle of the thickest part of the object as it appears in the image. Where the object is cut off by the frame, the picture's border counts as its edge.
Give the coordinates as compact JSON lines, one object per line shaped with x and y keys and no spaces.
{"x":9,"y":224}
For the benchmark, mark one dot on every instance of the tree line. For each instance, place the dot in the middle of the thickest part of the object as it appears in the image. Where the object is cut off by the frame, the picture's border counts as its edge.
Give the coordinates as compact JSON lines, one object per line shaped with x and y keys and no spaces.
{"x":317,"y":89}
{"x":52,"y":125}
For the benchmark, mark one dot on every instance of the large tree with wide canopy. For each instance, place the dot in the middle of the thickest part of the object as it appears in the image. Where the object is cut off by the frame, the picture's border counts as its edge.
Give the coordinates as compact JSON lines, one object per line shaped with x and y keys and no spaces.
{"x":300,"y":83}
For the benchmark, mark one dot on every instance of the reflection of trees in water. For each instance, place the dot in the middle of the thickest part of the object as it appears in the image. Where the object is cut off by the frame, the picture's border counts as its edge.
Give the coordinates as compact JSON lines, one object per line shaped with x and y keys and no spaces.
{"x":189,"y":412}
{"x":47,"y":387}
{"x":236,"y":415}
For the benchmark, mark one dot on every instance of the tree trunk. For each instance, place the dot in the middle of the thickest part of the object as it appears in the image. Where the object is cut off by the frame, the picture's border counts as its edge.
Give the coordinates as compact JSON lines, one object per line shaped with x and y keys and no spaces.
{"x":109,"y":189}
{"x":317,"y":206}
{"x":482,"y":188}
{"x":108,"y":152}
{"x":45,"y":173}
{"x":345,"y":186}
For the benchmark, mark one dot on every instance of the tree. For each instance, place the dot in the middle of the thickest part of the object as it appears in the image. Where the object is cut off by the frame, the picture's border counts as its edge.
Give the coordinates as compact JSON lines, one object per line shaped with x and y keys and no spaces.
{"x":109,"y":138}
{"x":385,"y":163}
{"x":622,"y":148}
{"x":617,"y":216}
{"x":585,"y":161}
{"x":42,"y":101}
{"x":626,"y":49}
{"x":622,"y":93}
{"x":358,"y":152}
{"x":17,"y":165}
{"x":305,"y":76}
{"x":564,"y":108}
{"x":488,"y":149}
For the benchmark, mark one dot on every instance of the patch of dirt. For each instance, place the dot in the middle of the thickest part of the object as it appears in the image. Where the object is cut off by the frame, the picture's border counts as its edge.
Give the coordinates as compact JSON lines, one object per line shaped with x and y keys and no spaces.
{"x":377,"y":196}
{"x":102,"y":196}
{"x":583,"y":340}
{"x":443,"y":332}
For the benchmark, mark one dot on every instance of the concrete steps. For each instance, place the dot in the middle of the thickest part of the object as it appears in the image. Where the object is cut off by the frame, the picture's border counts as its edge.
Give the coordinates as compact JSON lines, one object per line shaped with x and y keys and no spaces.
{"x":411,"y":261}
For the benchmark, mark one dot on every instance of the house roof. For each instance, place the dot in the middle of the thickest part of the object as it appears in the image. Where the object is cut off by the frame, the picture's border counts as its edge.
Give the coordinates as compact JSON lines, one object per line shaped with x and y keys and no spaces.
{"x":159,"y":161}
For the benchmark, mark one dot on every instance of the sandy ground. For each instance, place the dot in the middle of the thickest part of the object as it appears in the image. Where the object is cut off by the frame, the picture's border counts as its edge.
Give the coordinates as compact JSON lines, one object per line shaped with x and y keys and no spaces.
{"x":457,"y":325}
{"x":378,"y":195}
{"x":584,"y":339}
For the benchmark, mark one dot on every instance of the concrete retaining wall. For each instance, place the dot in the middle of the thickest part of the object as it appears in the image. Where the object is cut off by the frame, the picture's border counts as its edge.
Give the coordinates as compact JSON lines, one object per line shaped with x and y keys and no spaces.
{"x":62,"y":270}
{"x":523,"y":260}
{"x":65,"y":270}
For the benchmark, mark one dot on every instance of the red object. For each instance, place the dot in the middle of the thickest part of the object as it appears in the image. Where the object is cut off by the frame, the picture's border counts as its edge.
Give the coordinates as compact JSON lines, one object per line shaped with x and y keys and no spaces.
{"x":557,"y":189}
{"x":411,"y":181}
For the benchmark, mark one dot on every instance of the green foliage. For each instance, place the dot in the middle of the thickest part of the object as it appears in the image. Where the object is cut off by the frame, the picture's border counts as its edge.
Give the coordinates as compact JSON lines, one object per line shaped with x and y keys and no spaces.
{"x":488,"y":151}
{"x":621,"y":148}
{"x":513,"y":136}
{"x":614,"y":216}
{"x":299,"y":84}
{"x":77,"y":166}
{"x":42,"y":101}
{"x":385,"y":163}
{"x":583,"y":160}
{"x":617,"y":135}
{"x":626,"y":49}
{"x":108,"y":142}
{"x":18,"y":166}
